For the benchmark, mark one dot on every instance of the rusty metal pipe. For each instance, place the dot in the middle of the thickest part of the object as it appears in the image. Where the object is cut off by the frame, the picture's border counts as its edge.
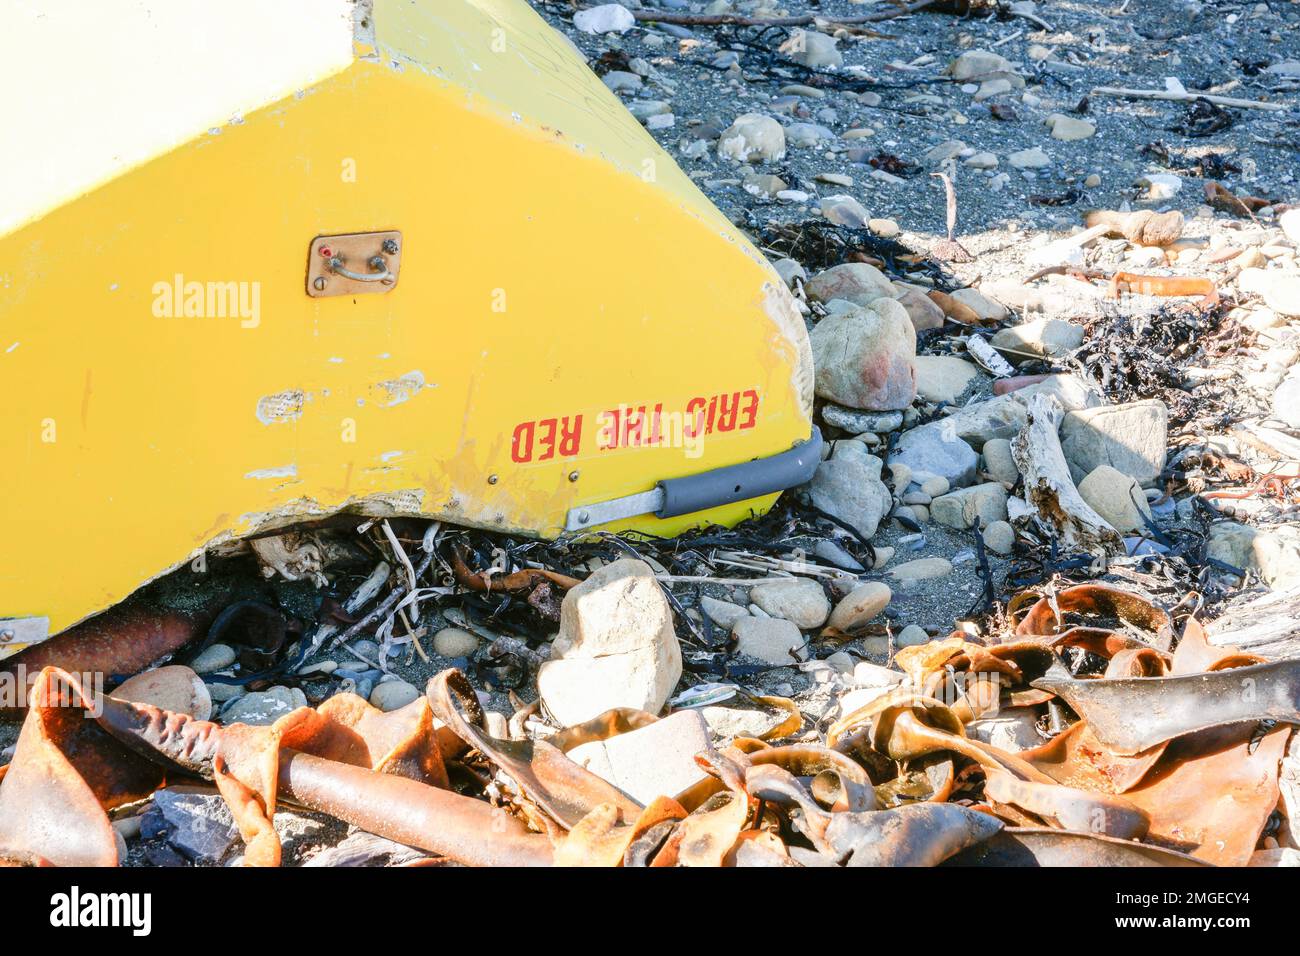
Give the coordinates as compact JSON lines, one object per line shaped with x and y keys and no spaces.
{"x":123,"y":640}
{"x":463,"y":829}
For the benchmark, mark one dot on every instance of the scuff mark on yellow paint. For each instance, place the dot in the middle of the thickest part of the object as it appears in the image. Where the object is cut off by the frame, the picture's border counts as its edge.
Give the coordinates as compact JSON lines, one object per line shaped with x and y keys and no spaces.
{"x":284,"y":406}
{"x":401,"y":389}
{"x":284,"y":471}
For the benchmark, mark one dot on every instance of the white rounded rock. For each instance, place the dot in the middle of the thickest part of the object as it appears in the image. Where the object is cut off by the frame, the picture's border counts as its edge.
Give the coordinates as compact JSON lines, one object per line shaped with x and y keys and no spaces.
{"x":393,"y":694}
{"x":1000,"y":537}
{"x":213,"y":658}
{"x":176,"y":688}
{"x":753,"y":138}
{"x":860,"y":605}
{"x":454,"y":642}
{"x":799,"y":600}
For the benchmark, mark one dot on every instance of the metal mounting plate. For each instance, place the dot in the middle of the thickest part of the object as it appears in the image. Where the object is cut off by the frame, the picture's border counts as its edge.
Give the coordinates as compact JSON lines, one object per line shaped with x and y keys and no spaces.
{"x":331,"y":256}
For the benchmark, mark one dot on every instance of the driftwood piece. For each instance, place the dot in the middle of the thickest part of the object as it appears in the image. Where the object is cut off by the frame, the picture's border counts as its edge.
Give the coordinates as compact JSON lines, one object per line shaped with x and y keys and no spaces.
{"x":988,"y":357}
{"x":1186,"y":96}
{"x":1268,"y":625}
{"x":807,"y":19}
{"x":1049,"y":488}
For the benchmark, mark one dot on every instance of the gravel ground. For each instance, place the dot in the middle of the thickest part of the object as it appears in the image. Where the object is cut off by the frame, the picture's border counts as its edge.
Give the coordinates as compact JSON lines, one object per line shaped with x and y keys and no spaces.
{"x":1216,"y":47}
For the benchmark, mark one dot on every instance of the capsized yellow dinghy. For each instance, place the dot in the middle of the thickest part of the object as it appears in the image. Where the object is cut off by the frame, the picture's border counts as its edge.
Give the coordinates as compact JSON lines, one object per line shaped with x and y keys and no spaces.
{"x":265,"y":262}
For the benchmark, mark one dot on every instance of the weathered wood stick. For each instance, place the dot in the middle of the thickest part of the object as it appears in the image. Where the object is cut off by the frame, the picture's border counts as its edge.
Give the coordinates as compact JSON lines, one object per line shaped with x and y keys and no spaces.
{"x":1048,"y":485}
{"x":719,"y":19}
{"x":1187,"y":97}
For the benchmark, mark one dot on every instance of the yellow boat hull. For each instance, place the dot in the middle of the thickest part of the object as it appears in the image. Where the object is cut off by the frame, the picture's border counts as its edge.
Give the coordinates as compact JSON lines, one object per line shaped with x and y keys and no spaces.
{"x":572,"y":321}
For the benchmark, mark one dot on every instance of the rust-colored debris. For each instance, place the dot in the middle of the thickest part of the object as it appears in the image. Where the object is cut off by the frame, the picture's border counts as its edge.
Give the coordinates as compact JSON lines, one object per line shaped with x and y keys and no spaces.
{"x":1163,"y":765}
{"x":1220,"y":197}
{"x":124,"y":640}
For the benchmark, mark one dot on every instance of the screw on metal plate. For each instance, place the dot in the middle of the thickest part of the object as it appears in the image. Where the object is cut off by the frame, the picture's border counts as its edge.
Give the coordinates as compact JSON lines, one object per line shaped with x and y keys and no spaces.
{"x":354,"y":263}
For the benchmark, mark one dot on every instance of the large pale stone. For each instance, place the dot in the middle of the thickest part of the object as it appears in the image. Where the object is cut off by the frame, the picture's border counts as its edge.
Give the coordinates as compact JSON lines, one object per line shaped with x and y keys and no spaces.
{"x":1000,"y":537}
{"x":1049,"y":338}
{"x":856,"y":282}
{"x":1116,"y":497}
{"x":393,"y":694}
{"x":844,"y":210}
{"x":606,"y":18}
{"x":998,"y":463}
{"x":942,"y":378}
{"x":1273,"y":552}
{"x":753,"y":138}
{"x":961,"y":509}
{"x":799,"y":600}
{"x":1286,"y":400}
{"x":978,"y":63}
{"x":454,"y":642}
{"x":805,"y":135}
{"x":852,"y":491}
{"x":1131,"y":438}
{"x":653,"y":761}
{"x":175,"y":687}
{"x":1012,"y":730}
{"x":1071,"y":391}
{"x":616,"y":646}
{"x":723,"y":613}
{"x":936,"y":449}
{"x":864,"y":357}
{"x":921,"y":309}
{"x":813,"y":49}
{"x":912,"y":573}
{"x":1280,"y":291}
{"x":1032,"y":158}
{"x":860,"y":605}
{"x":981,"y":422}
{"x":769,"y":639}
{"x":193,"y":819}
{"x":264,"y":707}
{"x":1070,"y":127}
{"x":213,"y":658}
{"x":987,"y":309}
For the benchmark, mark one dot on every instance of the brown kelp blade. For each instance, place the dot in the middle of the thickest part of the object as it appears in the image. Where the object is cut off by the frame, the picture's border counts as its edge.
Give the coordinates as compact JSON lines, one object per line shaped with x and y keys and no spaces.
{"x":49,"y":811}
{"x":611,"y":723}
{"x":1212,"y":792}
{"x":1195,"y":653}
{"x":251,"y":817}
{"x":1076,"y":758}
{"x":350,"y":730}
{"x":1069,"y":807}
{"x":604,"y":838}
{"x":387,"y":803}
{"x":1093,"y":602}
{"x":1134,"y":714}
{"x":905,"y":726}
{"x":1033,"y":846}
{"x":924,"y":834}
{"x":842,"y":781}
{"x":564,"y":790}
